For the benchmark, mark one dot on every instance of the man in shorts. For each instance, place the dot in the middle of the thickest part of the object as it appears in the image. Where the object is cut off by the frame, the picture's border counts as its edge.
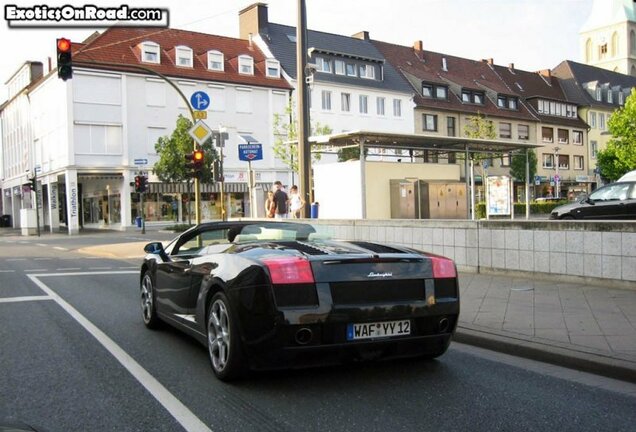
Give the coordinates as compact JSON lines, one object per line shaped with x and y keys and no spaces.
{"x":280,"y":201}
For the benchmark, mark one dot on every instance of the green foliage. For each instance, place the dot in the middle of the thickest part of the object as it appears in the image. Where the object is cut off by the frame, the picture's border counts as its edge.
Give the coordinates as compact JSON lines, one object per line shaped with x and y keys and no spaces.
{"x":480,"y":127}
{"x":520,"y":208}
{"x":286,"y":129}
{"x":350,"y":153}
{"x":620,"y":155}
{"x":518,"y":165}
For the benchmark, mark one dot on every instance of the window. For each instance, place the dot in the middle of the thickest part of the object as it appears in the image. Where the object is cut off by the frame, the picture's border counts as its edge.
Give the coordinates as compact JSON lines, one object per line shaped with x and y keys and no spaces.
{"x":588,"y":51}
{"x":345,"y":102}
{"x":184,"y":56}
{"x":246,"y":65}
{"x":599,"y":94}
{"x":577,"y":137}
{"x":505,"y":160}
{"x":601,"y":121}
{"x":397,"y":108}
{"x":602,"y":50}
{"x":434,"y":91}
{"x":215,"y":61}
{"x":564,"y":136}
{"x":473,"y":96}
{"x":547,"y":134}
{"x":429,"y":122}
{"x":150,"y":52}
{"x":367,"y":71}
{"x":273,"y":68}
{"x":505,"y":130}
{"x":430,"y":156}
{"x":578,"y":162}
{"x":441,"y":92}
{"x":427,"y":90}
{"x":452,"y":157}
{"x":592,"y":119}
{"x":326,"y":100}
{"x":621,"y":98}
{"x":323,"y":65}
{"x":594,"y":148}
{"x":610,"y":96}
{"x":351,"y":69}
{"x":450,"y":127}
{"x":548,"y":160}
{"x":380,"y":106}
{"x":508,"y":102}
{"x":564,"y":162}
{"x":364,"y":100}
{"x":340,"y":67}
{"x":524,"y":132}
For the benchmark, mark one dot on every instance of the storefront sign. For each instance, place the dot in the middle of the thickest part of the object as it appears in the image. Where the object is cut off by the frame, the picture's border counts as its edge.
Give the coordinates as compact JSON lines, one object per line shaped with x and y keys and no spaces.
{"x":73,"y":196}
{"x":53,"y":197}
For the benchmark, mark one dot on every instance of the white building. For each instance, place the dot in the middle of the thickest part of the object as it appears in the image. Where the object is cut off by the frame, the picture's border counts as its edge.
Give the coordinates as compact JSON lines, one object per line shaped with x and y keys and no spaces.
{"x":90,"y":135}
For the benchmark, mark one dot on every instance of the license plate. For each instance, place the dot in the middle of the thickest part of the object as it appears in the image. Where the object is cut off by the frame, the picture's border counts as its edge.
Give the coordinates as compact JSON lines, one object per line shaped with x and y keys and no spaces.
{"x":378,"y":329}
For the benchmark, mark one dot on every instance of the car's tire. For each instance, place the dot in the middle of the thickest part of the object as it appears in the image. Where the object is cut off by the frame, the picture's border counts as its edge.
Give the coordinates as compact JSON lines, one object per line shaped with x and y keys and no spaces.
{"x":148,"y":305}
{"x":567,"y":217}
{"x":224,"y":341}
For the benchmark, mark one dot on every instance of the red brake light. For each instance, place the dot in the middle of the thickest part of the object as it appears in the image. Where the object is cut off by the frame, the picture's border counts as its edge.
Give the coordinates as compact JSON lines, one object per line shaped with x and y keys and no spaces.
{"x":442,"y":267}
{"x":289,"y":270}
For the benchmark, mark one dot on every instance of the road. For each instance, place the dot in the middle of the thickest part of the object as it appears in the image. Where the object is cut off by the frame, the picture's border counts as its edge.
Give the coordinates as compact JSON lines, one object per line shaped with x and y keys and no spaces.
{"x":75,"y":356}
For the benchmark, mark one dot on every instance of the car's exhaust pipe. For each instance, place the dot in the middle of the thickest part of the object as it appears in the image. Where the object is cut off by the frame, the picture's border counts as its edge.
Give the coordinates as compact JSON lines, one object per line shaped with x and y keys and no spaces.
{"x":443,"y":325}
{"x":303,"y":336}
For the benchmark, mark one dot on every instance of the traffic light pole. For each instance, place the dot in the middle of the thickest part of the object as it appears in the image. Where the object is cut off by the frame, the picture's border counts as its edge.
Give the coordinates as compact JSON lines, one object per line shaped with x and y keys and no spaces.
{"x":37,"y":201}
{"x":197,"y":194}
{"x":143,"y":216}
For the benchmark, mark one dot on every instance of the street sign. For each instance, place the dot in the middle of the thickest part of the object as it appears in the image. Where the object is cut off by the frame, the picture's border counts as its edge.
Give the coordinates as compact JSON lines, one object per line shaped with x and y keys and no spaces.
{"x":200,"y":100}
{"x":200,"y":132}
{"x":250,"y":152}
{"x":141,"y":161}
{"x":200,"y":115}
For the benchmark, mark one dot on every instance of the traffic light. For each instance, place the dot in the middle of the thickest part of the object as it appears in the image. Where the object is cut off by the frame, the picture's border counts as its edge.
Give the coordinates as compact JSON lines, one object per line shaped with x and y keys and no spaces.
{"x":195,"y":162}
{"x":137,"y":183}
{"x":64,"y":59}
{"x":33,"y":183}
{"x":142,"y":183}
{"x":216,"y":170}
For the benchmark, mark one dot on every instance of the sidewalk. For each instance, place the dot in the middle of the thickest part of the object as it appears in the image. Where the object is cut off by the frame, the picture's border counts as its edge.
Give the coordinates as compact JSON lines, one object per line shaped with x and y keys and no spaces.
{"x":585,"y":327}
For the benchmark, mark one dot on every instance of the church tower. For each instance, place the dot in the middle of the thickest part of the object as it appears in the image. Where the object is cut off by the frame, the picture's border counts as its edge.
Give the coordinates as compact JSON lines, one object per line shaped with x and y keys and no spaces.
{"x":608,"y":38}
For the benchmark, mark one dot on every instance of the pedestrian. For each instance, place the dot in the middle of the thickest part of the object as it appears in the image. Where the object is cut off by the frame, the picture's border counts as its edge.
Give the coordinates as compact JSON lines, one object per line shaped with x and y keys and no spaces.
{"x":296,"y":202}
{"x":270,"y":205}
{"x":280,"y":200}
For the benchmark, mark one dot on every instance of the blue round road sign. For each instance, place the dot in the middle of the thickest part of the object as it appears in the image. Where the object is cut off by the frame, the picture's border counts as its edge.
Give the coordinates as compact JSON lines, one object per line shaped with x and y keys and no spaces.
{"x":200,"y":100}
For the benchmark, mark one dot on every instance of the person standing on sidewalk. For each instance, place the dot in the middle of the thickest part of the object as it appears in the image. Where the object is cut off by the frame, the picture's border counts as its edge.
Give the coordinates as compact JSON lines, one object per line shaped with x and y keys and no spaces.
{"x":296,"y":201}
{"x":270,"y":206}
{"x":280,"y":200}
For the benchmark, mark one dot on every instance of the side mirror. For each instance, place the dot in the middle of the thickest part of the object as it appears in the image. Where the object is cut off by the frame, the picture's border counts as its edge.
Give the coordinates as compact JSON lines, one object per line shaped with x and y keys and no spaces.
{"x":589,"y":201}
{"x":154,"y":248}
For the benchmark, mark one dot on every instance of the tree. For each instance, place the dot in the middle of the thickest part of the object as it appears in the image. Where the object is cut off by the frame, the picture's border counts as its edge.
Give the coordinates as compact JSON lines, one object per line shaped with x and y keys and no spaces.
{"x":518,"y":165}
{"x":480,"y":127}
{"x":285,"y":130}
{"x":171,"y":166}
{"x":619,"y":156}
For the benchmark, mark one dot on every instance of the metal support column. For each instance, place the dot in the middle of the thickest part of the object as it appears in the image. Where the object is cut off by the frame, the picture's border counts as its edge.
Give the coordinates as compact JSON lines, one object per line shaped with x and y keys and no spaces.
{"x":469,"y":202}
{"x":527,"y":184}
{"x":304,"y":149}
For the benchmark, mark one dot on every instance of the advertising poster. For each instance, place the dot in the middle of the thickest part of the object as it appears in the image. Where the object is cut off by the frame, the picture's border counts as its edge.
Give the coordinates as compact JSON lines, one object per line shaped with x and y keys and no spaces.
{"x":498,"y":195}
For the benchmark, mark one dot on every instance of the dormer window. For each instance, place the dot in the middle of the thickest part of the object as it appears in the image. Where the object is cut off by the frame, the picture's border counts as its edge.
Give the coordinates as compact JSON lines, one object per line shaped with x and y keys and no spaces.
{"x":246,"y":65}
{"x":323,"y":65}
{"x":599,"y":94}
{"x":351,"y":70}
{"x":215,"y":61}
{"x":367,"y":71}
{"x":472,"y":96}
{"x":273,"y":68}
{"x":150,"y":53}
{"x":435,"y":91}
{"x":621,"y":98}
{"x":507,"y":102}
{"x":610,"y":96}
{"x":183,"y":56}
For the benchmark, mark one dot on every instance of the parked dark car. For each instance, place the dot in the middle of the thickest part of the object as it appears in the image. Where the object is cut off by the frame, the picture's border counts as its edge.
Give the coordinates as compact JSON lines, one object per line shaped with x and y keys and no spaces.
{"x":614,"y":201}
{"x":267,"y":295}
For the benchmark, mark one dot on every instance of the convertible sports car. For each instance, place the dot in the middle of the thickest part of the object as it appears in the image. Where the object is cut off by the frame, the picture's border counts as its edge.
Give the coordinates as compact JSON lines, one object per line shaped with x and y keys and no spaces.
{"x":266,"y":295}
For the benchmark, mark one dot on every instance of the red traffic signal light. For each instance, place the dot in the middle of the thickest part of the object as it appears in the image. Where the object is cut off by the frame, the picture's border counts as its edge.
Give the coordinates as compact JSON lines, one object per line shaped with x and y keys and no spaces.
{"x":195,"y":162}
{"x":64,"y":59}
{"x":197,"y":156}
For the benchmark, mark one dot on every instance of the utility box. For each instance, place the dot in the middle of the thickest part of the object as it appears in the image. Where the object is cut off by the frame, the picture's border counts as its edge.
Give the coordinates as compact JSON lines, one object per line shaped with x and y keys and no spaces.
{"x":28,"y":222}
{"x":417,"y":199}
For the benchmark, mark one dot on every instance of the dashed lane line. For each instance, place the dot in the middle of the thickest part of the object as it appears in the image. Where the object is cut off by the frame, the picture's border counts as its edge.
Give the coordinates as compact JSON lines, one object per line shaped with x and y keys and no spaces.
{"x":17,"y":259}
{"x":174,"y":406}
{"x":42,"y":259}
{"x":41,"y":244}
{"x":68,"y":269}
{"x":35,"y":270}
{"x":59,"y":248}
{"x":25,"y":299}
{"x":7,"y":271}
{"x":100,"y":268}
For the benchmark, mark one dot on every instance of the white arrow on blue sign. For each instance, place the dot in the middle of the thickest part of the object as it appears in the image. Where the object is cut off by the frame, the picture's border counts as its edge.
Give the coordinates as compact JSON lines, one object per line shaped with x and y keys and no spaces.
{"x":200,"y":100}
{"x":141,"y":161}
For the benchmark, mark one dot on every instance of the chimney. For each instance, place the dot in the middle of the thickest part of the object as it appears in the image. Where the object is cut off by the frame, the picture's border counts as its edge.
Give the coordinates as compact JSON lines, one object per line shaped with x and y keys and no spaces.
{"x":253,"y":20}
{"x":418,"y":46}
{"x":489,"y":61}
{"x":511,"y":66}
{"x":364,"y":35}
{"x":546,"y":73}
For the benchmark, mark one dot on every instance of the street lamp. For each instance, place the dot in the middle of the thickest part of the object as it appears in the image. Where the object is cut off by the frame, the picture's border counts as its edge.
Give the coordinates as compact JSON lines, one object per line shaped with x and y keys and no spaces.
{"x":557,"y":180}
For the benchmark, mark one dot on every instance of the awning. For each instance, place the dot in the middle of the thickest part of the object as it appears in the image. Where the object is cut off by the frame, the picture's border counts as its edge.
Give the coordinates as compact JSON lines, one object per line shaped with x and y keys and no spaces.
{"x":205,"y":188}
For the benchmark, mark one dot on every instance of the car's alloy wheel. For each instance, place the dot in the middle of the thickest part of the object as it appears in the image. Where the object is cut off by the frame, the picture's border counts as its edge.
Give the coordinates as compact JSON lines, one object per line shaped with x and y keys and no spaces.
{"x":149,"y":313}
{"x":223,"y":339}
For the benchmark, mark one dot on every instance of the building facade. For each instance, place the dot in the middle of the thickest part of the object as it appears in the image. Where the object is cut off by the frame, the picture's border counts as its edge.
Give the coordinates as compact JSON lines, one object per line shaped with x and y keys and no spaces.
{"x":608,"y":38}
{"x":90,"y":135}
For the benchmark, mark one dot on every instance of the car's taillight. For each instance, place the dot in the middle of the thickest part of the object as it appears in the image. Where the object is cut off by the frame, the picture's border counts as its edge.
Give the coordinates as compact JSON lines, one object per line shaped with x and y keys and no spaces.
{"x":442,"y":267}
{"x":289,"y":270}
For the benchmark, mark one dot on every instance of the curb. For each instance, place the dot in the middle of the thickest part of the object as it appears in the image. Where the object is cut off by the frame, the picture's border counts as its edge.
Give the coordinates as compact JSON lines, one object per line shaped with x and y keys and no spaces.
{"x":583,"y":360}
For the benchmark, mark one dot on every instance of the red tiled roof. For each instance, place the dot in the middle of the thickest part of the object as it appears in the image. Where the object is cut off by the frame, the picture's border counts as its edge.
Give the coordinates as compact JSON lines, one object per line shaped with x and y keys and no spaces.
{"x":121,"y":45}
{"x":470,"y":74}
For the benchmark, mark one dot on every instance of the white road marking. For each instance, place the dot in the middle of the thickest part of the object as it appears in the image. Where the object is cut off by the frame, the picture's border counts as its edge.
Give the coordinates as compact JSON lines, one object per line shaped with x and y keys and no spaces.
{"x":127,"y":268}
{"x":25,"y":299}
{"x":7,"y":271}
{"x":99,"y":268}
{"x":16,"y":259}
{"x":42,"y":259}
{"x":35,"y":270}
{"x":41,"y":244}
{"x":60,"y":248}
{"x":178,"y":410}
{"x":68,"y":268}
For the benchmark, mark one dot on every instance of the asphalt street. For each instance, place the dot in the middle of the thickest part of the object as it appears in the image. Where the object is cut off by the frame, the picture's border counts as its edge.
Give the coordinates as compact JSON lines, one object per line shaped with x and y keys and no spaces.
{"x":75,"y":356}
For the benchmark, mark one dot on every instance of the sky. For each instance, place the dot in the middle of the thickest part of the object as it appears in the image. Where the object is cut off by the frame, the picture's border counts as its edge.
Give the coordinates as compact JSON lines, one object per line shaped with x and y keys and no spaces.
{"x":532,"y":34}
